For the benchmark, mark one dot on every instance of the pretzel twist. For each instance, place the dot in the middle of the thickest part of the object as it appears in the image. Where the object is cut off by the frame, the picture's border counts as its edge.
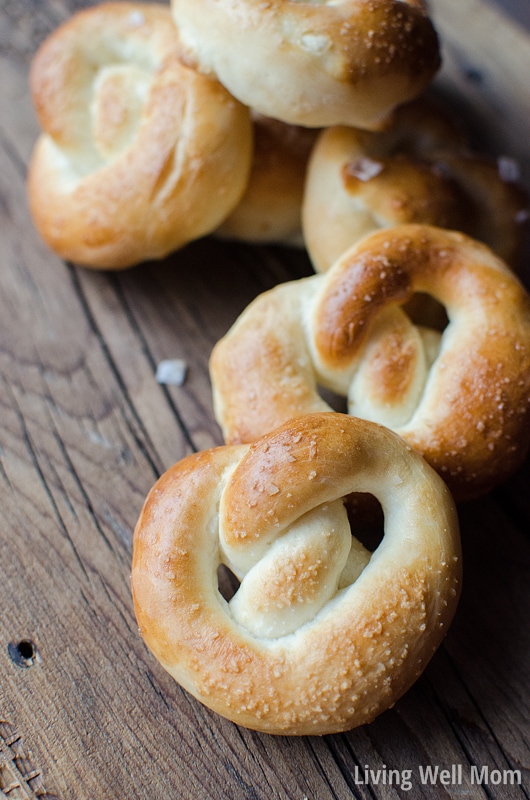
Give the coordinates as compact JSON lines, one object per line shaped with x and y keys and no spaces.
{"x":322,"y":635}
{"x":316,"y":64}
{"x":139,"y":154}
{"x":419,"y":170}
{"x":461,"y":397}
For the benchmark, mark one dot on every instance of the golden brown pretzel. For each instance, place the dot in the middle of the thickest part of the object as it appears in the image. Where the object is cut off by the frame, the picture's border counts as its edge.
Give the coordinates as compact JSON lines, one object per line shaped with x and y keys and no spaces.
{"x":139,"y":154}
{"x":321,"y":635}
{"x":419,"y":170}
{"x":461,"y":397}
{"x":346,"y":62}
{"x":270,"y":210}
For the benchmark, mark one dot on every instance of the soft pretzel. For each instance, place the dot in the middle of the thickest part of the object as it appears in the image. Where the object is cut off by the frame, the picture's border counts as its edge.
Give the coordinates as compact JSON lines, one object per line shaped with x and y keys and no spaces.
{"x":270,"y":210}
{"x":321,"y":635}
{"x":420,"y":170}
{"x":139,"y":154}
{"x":461,"y":397}
{"x":349,"y":62}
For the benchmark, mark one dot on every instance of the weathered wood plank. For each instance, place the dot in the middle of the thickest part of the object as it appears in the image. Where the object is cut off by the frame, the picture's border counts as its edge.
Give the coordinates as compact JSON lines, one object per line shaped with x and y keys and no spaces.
{"x":485,"y":72}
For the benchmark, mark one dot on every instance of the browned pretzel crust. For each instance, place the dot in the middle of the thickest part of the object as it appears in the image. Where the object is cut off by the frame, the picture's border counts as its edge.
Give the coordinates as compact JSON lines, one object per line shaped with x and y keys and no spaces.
{"x":350,"y":62}
{"x":322,"y":635}
{"x":419,"y":170}
{"x":461,"y":397}
{"x":139,"y":154}
{"x":270,"y":211}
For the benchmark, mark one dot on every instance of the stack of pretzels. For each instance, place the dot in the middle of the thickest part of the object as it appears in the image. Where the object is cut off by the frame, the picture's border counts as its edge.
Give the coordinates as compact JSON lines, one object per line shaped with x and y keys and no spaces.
{"x":400,"y":371}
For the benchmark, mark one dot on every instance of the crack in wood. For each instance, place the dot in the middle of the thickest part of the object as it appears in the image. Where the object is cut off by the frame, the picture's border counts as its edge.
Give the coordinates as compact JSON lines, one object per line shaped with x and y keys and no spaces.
{"x":34,"y":459}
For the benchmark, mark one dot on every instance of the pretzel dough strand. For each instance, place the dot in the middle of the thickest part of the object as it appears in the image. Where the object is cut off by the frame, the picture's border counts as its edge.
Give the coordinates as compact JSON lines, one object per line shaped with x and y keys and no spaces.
{"x":387,"y":269}
{"x":301,"y":465}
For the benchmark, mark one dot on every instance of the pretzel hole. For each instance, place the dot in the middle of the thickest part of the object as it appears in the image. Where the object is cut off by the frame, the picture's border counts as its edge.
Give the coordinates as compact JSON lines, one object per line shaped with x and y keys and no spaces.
{"x":227,"y":582}
{"x":366,"y":518}
{"x":424,"y":310}
{"x":337,"y":402}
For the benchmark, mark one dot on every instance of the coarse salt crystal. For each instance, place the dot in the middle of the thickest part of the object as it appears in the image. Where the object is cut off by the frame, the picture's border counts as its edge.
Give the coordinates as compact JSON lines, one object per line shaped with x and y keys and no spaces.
{"x":136,"y":19}
{"x":508,"y":169}
{"x":171,"y":371}
{"x":364,"y":169}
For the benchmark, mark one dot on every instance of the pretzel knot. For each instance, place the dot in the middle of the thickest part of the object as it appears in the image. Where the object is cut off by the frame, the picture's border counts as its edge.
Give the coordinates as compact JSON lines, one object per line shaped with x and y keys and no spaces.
{"x":139,"y":154}
{"x":321,"y":635}
{"x":460,"y":396}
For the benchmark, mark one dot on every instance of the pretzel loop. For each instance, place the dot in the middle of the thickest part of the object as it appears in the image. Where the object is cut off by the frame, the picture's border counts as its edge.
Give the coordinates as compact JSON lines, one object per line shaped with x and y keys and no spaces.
{"x":138,"y":154}
{"x":321,"y":635}
{"x":418,"y":170}
{"x":460,"y":395}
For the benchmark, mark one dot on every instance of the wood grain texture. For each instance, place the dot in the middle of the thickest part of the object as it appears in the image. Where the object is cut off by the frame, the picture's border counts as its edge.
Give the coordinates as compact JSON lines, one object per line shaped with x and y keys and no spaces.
{"x":85,"y":430}
{"x":486,"y":57}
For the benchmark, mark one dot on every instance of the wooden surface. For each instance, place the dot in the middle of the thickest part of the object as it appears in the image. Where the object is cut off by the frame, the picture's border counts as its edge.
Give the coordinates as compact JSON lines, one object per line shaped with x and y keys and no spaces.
{"x":85,"y":711}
